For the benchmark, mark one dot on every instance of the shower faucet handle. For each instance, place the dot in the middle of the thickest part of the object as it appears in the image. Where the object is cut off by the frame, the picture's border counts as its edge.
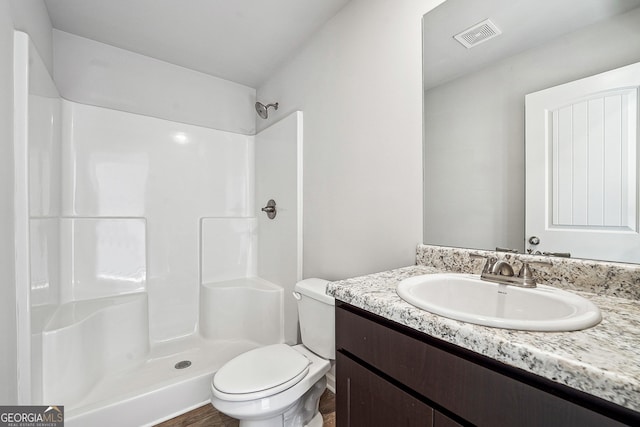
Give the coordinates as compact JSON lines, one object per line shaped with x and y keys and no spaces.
{"x":270,"y":209}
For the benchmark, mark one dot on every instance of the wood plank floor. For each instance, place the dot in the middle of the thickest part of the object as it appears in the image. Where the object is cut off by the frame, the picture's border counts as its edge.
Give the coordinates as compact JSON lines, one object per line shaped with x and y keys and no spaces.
{"x":208,"y":416}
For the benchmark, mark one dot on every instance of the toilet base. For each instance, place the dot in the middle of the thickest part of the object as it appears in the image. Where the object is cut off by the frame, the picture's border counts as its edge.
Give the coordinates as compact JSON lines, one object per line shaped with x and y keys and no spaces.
{"x":316,"y":421}
{"x":303,"y":413}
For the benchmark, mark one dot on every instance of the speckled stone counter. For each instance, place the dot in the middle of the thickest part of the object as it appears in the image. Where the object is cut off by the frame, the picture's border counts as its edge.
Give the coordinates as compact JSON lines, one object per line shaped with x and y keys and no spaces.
{"x":603,"y":361}
{"x":572,"y":274}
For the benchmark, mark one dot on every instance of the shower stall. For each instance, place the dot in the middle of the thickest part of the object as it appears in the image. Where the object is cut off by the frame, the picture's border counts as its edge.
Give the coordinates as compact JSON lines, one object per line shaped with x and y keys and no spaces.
{"x":143,"y":260}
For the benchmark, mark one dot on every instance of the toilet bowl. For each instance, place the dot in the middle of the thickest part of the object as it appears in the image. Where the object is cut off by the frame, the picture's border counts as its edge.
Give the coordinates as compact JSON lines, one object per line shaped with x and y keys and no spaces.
{"x":280,"y":385}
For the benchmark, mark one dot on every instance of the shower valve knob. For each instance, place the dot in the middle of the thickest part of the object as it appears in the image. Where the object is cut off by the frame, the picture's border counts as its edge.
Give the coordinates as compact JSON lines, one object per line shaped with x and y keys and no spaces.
{"x":270,"y":209}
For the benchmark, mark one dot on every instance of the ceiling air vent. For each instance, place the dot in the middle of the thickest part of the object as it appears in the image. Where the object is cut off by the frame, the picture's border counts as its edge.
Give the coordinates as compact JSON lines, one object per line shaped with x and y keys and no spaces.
{"x":479,"y":33}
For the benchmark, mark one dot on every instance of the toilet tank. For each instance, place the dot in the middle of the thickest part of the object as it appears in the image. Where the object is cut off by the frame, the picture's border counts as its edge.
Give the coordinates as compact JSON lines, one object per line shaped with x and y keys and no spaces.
{"x":316,"y":312}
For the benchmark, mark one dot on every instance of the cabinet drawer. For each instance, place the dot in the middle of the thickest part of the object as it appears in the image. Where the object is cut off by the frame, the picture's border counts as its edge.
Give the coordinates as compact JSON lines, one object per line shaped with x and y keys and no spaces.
{"x":363,"y":399}
{"x":474,"y":392}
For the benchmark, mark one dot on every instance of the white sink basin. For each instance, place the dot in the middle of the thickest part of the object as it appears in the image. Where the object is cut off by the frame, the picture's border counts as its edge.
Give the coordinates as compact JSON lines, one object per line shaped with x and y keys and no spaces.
{"x":467,"y":298}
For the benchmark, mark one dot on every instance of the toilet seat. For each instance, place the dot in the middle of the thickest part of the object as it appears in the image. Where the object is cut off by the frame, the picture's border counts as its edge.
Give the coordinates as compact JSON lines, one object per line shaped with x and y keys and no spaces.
{"x":260,"y":373}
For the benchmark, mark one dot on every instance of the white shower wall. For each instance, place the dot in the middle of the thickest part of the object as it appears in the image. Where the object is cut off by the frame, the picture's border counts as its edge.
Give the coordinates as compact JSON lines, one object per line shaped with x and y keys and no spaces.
{"x":37,"y":163}
{"x":123,"y":165}
{"x":43,"y":197}
{"x":279,"y":176}
{"x":138,"y":247}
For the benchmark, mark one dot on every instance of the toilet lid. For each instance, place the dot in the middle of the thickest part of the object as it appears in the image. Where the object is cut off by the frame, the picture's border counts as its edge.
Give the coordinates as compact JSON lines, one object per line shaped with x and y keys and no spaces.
{"x":261,"y":369}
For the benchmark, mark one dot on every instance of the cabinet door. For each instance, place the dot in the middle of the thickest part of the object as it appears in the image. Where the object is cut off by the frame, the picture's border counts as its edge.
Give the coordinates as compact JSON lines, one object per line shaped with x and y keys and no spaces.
{"x":441,"y":420}
{"x":363,"y":399}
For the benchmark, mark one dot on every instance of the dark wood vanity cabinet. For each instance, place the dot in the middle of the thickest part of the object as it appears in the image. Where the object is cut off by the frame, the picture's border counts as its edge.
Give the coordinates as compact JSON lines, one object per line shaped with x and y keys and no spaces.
{"x":391,"y":375}
{"x":374,"y":401}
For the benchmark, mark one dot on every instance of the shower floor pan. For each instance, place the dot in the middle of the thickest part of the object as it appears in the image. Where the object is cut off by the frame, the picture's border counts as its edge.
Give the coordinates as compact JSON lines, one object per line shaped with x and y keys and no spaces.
{"x":155,"y":390}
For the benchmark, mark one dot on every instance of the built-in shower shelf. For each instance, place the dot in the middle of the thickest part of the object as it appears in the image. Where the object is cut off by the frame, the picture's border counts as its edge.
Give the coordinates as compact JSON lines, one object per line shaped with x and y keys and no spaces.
{"x":84,"y":340}
{"x":76,"y":312}
{"x":246,"y":307}
{"x":253,"y":282}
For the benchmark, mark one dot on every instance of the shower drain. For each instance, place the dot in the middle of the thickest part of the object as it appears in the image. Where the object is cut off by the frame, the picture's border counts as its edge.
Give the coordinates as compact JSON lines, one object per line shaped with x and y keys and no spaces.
{"x":183,"y":364}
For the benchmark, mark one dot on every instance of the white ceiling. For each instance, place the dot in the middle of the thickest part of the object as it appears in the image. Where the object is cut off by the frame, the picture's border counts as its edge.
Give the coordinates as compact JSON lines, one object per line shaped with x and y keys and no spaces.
{"x":239,"y":40}
{"x":524,"y":24}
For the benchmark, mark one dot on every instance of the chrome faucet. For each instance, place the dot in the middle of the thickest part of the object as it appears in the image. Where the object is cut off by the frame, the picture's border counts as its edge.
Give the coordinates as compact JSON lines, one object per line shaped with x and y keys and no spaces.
{"x":500,"y":271}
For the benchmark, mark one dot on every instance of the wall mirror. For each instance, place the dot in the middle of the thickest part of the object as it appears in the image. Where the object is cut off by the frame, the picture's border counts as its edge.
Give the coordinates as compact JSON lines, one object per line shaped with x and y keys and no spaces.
{"x":474,"y":108}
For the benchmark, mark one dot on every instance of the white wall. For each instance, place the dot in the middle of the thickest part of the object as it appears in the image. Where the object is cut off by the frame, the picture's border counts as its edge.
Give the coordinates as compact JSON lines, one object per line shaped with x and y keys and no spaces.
{"x":32,"y":17}
{"x":481,"y":150}
{"x":98,"y":74}
{"x":8,"y":367}
{"x":359,"y":82}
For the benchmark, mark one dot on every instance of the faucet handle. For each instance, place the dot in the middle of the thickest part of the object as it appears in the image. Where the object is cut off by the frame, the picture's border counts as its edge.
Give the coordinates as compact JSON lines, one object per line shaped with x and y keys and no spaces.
{"x":558,"y":254}
{"x":488,"y":266}
{"x":526,"y":274}
{"x":500,"y":249}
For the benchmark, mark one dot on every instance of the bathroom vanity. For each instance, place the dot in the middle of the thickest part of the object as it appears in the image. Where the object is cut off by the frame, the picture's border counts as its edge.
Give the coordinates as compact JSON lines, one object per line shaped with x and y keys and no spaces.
{"x":388,"y":374}
{"x":399,"y":365}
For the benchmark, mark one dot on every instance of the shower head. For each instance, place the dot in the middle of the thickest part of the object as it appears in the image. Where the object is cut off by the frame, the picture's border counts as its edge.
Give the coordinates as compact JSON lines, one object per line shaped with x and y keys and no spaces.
{"x":261,"y":109}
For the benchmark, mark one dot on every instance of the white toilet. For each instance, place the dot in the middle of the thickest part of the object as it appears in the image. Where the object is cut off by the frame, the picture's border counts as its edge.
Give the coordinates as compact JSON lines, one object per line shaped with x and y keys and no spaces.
{"x":280,"y":385}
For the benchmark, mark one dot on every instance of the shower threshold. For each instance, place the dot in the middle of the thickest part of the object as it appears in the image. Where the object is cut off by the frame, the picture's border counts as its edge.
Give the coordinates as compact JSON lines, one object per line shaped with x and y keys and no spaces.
{"x":154,"y":390}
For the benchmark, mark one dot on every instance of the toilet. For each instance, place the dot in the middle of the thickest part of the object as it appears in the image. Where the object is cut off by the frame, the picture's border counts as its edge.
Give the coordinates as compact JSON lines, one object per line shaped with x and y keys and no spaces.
{"x":280,"y":385}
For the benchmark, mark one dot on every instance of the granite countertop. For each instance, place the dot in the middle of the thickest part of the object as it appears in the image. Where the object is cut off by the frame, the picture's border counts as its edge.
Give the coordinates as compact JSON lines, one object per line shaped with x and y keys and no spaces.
{"x":603,"y":361}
